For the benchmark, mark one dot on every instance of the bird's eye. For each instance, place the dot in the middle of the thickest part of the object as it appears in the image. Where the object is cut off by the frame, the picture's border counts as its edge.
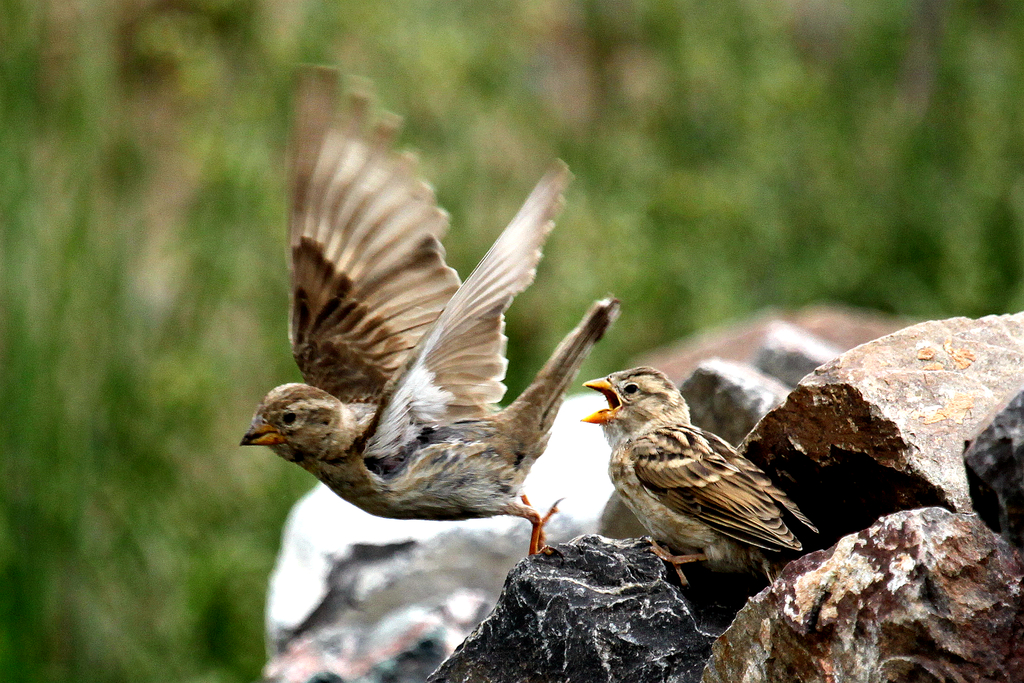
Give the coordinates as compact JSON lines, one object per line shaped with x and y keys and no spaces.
{"x":288,"y":418}
{"x":630,"y":389}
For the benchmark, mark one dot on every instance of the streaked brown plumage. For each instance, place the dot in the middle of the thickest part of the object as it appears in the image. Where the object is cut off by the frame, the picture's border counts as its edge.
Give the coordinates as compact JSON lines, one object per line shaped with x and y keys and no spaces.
{"x":402,"y":365}
{"x":689,"y":488}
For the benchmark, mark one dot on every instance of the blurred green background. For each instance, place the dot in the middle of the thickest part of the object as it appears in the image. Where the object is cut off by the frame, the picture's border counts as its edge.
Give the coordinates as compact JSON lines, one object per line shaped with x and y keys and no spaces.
{"x":729,"y":155}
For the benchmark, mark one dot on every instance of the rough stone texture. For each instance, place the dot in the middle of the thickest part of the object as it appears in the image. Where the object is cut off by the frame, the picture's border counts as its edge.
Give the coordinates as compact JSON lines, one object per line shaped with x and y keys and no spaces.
{"x":729,"y":398}
{"x":788,"y":353}
{"x":995,"y":471}
{"x":594,"y":610}
{"x":923,"y":595}
{"x":842,"y":328}
{"x":882,"y":427}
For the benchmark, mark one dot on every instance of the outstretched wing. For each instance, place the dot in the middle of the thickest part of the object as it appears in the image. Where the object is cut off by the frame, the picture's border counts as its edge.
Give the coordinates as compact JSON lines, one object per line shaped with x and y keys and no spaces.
{"x":696,"y":473}
{"x":368,"y":270}
{"x":458,"y":367}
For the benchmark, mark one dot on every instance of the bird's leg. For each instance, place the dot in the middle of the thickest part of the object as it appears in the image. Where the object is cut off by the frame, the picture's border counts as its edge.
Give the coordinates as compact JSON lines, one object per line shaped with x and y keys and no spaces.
{"x":541,"y":544}
{"x":537,"y":543}
{"x":676,"y":560}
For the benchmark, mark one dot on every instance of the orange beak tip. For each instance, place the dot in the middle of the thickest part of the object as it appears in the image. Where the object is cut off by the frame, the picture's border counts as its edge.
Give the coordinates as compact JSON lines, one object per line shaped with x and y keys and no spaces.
{"x":265,"y":440}
{"x":606,"y":414}
{"x":262,"y":435}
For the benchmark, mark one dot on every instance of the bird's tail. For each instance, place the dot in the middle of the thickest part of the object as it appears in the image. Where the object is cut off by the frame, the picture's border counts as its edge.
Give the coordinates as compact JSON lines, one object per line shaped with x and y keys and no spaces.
{"x":539,"y":403}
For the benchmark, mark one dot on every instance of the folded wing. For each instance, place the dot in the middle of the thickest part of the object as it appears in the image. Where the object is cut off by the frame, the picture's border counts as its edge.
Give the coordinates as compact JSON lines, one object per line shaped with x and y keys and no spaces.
{"x":699,"y":474}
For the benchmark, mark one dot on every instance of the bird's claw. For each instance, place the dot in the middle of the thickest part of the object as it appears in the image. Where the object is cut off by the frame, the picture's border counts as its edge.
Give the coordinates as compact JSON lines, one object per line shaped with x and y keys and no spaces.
{"x":537,"y":543}
{"x":676,"y":560}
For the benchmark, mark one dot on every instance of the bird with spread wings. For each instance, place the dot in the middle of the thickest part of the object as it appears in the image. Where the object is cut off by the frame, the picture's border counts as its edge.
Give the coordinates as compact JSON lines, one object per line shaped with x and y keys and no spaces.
{"x":402,"y":365}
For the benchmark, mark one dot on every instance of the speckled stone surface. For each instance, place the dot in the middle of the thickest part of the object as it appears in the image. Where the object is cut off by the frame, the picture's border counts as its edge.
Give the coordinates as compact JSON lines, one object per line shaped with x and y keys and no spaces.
{"x":922,"y":595}
{"x":594,"y":610}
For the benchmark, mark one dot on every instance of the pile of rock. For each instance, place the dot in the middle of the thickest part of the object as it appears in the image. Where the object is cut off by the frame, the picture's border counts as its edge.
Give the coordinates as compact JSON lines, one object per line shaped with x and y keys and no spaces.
{"x":902,"y":583}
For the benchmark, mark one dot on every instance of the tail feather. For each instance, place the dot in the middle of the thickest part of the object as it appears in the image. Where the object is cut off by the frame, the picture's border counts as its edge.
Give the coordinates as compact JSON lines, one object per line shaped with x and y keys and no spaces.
{"x":540,"y":401}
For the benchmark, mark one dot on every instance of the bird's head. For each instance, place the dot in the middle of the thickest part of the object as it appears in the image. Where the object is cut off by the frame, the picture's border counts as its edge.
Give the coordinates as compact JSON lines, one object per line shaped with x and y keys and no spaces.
{"x":298,"y":422}
{"x":636,"y":398}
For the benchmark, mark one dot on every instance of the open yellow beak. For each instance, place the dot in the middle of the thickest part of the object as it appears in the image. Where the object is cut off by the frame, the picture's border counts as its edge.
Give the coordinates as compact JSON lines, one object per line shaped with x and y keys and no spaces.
{"x":262,"y":434}
{"x":614,"y":404}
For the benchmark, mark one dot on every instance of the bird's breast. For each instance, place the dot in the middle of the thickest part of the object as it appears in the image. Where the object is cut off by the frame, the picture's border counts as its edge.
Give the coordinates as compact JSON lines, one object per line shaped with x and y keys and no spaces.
{"x":457,"y":471}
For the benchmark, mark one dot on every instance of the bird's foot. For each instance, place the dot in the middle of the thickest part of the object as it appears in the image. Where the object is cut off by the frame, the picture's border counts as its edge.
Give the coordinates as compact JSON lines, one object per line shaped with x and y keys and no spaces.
{"x":537,"y":542}
{"x":676,"y":560}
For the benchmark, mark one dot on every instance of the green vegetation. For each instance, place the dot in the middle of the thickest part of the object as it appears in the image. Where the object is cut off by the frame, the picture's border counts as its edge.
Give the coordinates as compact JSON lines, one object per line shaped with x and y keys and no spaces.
{"x":728,"y":156}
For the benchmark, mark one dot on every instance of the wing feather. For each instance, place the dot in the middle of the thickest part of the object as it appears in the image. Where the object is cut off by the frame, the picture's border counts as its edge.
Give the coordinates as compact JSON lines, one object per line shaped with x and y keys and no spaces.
{"x":697,"y":473}
{"x":458,"y":366}
{"x":368,"y":270}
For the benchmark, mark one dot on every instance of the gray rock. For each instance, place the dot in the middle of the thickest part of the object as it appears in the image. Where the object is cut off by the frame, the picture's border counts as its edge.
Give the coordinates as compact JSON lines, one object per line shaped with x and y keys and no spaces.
{"x":923,"y":595}
{"x":789,"y":353}
{"x":594,"y":610}
{"x":995,"y":471}
{"x":729,"y":398}
{"x":618,"y":521}
{"x":882,"y":427}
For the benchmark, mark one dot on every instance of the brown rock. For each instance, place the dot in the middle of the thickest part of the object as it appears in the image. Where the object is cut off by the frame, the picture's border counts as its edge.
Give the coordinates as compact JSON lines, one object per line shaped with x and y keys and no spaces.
{"x":842,"y":328}
{"x":923,"y":595}
{"x":882,"y":427}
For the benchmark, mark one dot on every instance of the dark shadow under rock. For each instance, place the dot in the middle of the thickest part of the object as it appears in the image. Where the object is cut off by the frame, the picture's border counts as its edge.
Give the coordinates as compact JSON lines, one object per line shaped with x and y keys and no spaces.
{"x":995,"y":471}
{"x":922,"y":595}
{"x":596,"y":610}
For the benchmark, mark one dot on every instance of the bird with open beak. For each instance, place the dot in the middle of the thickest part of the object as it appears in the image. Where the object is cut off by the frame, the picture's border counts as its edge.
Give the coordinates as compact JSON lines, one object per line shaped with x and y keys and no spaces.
{"x":689,"y":488}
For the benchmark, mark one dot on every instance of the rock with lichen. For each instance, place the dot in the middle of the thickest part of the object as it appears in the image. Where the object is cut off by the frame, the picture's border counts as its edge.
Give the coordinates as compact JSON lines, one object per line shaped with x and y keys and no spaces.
{"x":922,"y":595}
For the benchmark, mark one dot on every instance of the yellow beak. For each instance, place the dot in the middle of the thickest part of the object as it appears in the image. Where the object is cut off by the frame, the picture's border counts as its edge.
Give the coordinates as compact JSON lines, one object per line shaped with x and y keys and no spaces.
{"x":614,"y":404}
{"x":261,"y":434}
